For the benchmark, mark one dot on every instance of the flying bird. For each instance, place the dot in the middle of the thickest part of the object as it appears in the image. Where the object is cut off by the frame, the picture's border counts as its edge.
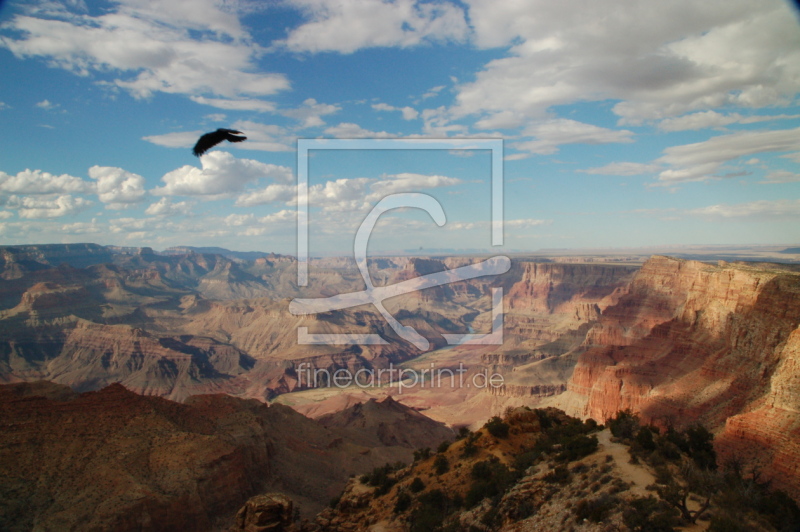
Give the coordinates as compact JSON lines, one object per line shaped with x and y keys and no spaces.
{"x":209,"y":140}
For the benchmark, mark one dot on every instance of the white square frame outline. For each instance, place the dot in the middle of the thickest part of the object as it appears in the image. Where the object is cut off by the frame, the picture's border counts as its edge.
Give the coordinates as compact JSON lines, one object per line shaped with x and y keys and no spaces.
{"x":304,"y":145}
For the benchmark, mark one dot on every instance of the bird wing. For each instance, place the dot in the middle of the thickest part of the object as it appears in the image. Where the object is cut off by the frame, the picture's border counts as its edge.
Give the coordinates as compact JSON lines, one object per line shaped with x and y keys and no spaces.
{"x":207,"y":141}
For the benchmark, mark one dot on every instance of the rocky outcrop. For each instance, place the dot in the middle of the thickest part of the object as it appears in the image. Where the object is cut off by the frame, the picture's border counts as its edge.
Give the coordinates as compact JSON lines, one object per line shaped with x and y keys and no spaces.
{"x":692,"y":342}
{"x":268,"y":512}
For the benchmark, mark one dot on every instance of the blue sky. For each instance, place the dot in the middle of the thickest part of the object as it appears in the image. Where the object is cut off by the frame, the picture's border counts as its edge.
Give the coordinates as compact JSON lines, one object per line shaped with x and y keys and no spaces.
{"x":641,"y":123}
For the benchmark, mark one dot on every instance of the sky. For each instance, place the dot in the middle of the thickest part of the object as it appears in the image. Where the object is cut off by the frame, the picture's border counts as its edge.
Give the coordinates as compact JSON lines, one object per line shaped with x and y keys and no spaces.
{"x":639,"y":123}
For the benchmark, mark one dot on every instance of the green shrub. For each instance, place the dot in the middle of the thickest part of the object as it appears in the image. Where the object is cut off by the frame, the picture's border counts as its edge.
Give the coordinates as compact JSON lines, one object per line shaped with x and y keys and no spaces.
{"x":403,"y":502}
{"x":647,"y":514}
{"x":441,"y":465}
{"x":497,"y":427}
{"x":577,"y":447}
{"x":624,"y":425}
{"x":422,"y":454}
{"x":417,"y":485}
{"x":443,"y":447}
{"x":597,"y":509}
{"x":434,"y":506}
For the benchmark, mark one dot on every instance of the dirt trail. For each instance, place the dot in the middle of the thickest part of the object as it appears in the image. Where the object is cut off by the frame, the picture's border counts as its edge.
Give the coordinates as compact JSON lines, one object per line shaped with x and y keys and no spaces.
{"x":637,"y":474}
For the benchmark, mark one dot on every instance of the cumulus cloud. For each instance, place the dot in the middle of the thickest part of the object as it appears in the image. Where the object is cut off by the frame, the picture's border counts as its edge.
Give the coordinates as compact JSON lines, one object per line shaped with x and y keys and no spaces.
{"x":549,"y":134}
{"x":238,"y":104}
{"x":311,"y":112}
{"x":5,"y":215}
{"x":39,"y":182}
{"x":270,"y":194}
{"x":221,"y":174}
{"x":349,"y":130}
{"x":408,"y":182}
{"x":33,"y":207}
{"x":623,"y":169}
{"x":702,"y":160}
{"x":165,"y":207}
{"x":659,"y":59}
{"x":161,"y":46}
{"x":116,"y":187}
{"x":354,"y":24}
{"x":409,"y":113}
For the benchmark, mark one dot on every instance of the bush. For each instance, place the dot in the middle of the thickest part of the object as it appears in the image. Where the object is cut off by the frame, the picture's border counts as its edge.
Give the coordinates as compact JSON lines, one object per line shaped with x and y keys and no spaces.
{"x":644,"y":439}
{"x":577,"y":447}
{"x":497,"y":427}
{"x":647,"y":514}
{"x":434,"y":507}
{"x":441,"y":465}
{"x":470,"y":448}
{"x":559,"y":475}
{"x":624,"y":425}
{"x":443,"y":447}
{"x":597,"y":509}
{"x":417,"y":485}
{"x":403,"y":502}
{"x":525,"y":460}
{"x":381,"y":478}
{"x":463,"y":432}
{"x":422,"y":454}
{"x":490,"y":479}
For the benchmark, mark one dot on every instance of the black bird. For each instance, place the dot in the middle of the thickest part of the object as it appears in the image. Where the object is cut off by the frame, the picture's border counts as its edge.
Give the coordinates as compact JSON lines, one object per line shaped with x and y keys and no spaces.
{"x":209,"y":140}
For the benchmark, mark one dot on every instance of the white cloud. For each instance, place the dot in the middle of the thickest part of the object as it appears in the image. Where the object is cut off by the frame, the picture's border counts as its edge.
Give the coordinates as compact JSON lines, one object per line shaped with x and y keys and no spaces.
{"x":173,"y":47}
{"x":32,"y":207}
{"x":5,"y":215}
{"x":221,"y":174}
{"x":781,"y":176}
{"x":238,"y":220}
{"x":623,"y":169}
{"x":215,"y":117}
{"x":409,"y":113}
{"x":701,"y":160}
{"x":660,"y":59}
{"x":181,"y":139}
{"x":47,"y":105}
{"x":116,"y":187}
{"x":753,"y":209}
{"x":3,"y":105}
{"x":310,"y":113}
{"x":349,"y":130}
{"x":271,"y":193}
{"x":711,"y":119}
{"x":83,"y":228}
{"x":549,"y":134}
{"x":39,"y":182}
{"x":239,"y":104}
{"x":264,"y":137}
{"x":164,"y":207}
{"x":349,"y":25}
{"x":408,"y":182}
{"x":520,"y":223}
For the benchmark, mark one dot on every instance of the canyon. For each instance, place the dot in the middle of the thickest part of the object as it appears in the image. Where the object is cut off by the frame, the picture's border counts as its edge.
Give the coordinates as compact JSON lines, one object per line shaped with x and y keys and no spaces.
{"x":677,"y":341}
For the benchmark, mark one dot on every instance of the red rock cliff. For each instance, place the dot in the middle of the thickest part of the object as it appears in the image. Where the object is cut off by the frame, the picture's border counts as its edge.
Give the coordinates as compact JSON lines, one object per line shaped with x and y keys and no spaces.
{"x":696,"y":342}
